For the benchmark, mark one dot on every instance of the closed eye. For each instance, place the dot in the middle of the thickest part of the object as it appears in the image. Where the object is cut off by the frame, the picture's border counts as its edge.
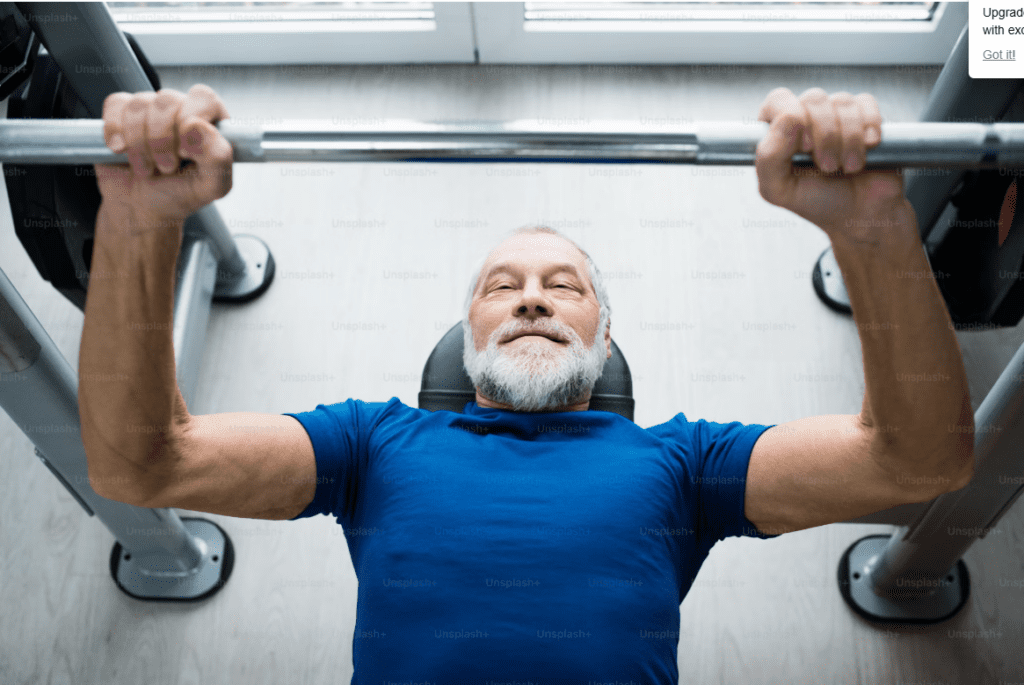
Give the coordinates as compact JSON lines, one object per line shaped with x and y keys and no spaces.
{"x":561,"y":285}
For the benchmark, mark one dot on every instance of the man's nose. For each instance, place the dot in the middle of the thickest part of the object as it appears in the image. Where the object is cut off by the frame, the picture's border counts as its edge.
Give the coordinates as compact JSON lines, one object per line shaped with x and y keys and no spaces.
{"x":534,"y":302}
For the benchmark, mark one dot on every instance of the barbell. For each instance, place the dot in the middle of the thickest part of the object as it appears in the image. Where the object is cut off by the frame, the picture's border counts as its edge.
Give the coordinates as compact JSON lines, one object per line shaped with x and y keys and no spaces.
{"x":911,"y":144}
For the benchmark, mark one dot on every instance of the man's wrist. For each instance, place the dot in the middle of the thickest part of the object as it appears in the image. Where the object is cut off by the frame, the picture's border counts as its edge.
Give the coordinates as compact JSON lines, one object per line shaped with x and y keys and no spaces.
{"x":130,"y":221}
{"x":896,"y":224}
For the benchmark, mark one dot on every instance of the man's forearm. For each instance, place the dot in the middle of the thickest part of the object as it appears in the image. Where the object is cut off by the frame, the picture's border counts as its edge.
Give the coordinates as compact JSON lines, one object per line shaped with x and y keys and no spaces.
{"x":917,"y":398}
{"x":129,"y":400}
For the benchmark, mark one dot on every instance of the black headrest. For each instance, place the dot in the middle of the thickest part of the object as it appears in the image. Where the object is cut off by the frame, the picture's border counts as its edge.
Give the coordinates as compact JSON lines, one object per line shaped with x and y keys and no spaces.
{"x":447,"y":386}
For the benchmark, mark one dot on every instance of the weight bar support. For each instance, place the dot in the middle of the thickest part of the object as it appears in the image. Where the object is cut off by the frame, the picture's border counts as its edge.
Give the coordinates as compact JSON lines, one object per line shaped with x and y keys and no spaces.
{"x":904,"y":144}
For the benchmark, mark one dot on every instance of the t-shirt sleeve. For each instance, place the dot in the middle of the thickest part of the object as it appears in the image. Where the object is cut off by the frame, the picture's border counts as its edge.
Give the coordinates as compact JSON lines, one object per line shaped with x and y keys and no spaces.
{"x":723,"y":452}
{"x":340,"y":434}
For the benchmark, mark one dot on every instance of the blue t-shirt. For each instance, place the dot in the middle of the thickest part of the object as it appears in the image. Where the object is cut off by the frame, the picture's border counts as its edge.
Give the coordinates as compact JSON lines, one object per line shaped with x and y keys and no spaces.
{"x":502,"y":546}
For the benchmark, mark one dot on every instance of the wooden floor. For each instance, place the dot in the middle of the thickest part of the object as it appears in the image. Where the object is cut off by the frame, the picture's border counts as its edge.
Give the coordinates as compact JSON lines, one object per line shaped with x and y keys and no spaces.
{"x":693,"y":249}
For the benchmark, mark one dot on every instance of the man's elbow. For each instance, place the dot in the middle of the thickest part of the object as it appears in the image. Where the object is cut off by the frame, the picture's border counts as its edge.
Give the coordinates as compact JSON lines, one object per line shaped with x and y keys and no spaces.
{"x":964,"y":480}
{"x":115,"y":478}
{"x":962,"y":465}
{"x":962,"y":459}
{"x":114,"y":488}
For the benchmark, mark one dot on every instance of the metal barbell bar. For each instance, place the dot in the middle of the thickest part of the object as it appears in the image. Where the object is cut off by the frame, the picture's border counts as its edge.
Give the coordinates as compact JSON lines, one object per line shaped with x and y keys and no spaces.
{"x":910,"y":144}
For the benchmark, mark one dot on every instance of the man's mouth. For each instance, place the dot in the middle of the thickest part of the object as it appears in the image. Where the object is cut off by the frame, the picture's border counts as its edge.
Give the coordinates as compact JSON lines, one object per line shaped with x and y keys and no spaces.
{"x":534,"y":335}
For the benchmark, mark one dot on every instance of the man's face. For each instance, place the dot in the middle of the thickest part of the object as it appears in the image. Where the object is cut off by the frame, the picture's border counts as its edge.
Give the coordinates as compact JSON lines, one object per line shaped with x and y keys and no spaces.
{"x":534,"y":319}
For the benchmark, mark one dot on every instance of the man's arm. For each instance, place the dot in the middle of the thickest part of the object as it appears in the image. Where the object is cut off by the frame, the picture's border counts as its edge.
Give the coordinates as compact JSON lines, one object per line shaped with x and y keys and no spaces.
{"x":128,"y":397}
{"x":916,"y":398}
{"x":142,"y":445}
{"x":914,"y":437}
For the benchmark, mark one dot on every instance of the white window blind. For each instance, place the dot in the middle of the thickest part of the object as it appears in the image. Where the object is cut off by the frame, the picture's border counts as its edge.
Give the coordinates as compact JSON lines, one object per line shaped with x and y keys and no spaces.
{"x":313,"y":33}
{"x":220,"y":16}
{"x":638,"y":13}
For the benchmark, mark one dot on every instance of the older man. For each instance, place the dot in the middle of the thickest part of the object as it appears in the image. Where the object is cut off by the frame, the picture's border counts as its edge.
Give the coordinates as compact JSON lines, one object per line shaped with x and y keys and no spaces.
{"x":525,"y":539}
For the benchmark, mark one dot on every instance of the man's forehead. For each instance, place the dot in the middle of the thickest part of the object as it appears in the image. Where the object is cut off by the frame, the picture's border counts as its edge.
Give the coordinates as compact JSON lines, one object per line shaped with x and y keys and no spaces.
{"x":535,"y":248}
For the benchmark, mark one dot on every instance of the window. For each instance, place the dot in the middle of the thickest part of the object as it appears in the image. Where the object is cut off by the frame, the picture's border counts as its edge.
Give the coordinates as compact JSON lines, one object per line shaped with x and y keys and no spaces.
{"x":804,"y":33}
{"x":221,"y":33}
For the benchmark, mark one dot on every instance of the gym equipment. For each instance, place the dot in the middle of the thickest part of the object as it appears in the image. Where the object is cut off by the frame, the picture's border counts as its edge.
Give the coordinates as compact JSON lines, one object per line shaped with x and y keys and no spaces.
{"x":18,"y":49}
{"x":55,"y":207}
{"x":157,"y":556}
{"x":914,"y":576}
{"x":914,"y":144}
{"x":972,"y":234}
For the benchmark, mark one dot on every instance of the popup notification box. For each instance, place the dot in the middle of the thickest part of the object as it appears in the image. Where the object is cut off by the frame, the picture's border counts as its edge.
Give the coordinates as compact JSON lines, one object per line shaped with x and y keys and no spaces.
{"x":996,"y":34}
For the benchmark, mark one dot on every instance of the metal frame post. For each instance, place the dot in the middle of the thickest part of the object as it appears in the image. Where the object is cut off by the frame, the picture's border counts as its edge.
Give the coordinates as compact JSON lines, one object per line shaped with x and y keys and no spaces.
{"x":85,"y":41}
{"x":158,"y":556}
{"x":917,"y":575}
{"x":955,"y":97}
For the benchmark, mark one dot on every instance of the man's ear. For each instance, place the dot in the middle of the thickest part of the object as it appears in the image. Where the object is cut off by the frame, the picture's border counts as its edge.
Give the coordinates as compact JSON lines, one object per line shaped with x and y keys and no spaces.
{"x":608,"y":337}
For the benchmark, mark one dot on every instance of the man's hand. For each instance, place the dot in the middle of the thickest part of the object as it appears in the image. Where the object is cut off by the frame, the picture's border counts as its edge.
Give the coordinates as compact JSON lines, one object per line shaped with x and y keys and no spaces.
{"x":837,"y":129}
{"x":157,"y":131}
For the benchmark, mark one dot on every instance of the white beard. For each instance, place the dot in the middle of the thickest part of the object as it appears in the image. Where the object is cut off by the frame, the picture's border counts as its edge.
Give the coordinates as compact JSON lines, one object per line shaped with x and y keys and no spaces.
{"x":534,"y":374}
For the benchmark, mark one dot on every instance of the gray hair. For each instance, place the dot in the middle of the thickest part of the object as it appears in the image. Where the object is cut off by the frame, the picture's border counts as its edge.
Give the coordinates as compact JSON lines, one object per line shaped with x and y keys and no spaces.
{"x":596,"y":281}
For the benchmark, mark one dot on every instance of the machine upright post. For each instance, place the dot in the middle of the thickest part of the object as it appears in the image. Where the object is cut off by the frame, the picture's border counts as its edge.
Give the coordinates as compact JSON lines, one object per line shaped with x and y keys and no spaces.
{"x":85,"y":41}
{"x":158,"y":556}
